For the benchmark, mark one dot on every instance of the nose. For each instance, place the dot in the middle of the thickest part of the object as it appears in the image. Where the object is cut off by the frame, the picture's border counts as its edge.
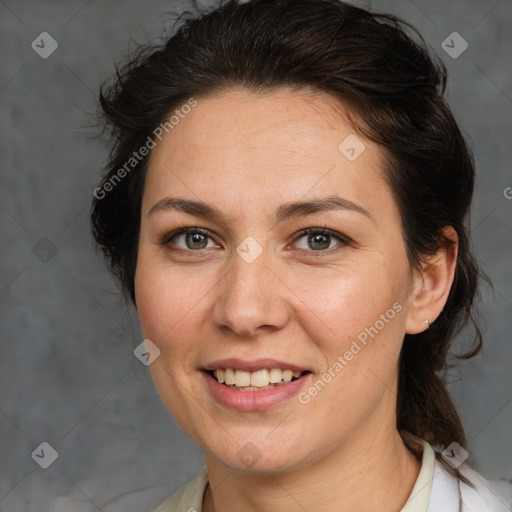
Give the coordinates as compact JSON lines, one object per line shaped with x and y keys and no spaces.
{"x":252,"y":298}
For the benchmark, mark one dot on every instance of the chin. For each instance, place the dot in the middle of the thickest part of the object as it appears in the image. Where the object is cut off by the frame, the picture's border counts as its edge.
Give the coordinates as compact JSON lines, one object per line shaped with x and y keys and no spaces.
{"x":257,"y":457}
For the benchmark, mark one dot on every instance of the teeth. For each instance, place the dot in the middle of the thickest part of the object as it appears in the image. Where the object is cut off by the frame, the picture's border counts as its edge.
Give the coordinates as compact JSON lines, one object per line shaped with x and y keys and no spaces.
{"x":242,"y":378}
{"x":229,"y":376}
{"x":287,"y":375}
{"x":257,"y":379}
{"x":276,"y":375}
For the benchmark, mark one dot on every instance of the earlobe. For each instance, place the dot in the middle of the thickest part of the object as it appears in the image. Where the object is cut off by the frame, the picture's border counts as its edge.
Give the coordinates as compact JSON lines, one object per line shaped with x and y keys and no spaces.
{"x":432,"y":284}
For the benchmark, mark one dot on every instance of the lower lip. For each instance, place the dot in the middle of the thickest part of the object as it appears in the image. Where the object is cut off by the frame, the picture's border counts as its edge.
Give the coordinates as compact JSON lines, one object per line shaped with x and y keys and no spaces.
{"x":254,"y":400}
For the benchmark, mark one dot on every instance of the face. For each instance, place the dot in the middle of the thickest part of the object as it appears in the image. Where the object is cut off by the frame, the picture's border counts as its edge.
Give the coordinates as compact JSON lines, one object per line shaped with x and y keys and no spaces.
{"x":249,"y":284}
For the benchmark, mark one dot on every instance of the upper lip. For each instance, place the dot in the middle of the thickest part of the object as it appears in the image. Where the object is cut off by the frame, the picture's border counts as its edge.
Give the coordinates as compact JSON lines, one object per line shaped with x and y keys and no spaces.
{"x":254,"y":365}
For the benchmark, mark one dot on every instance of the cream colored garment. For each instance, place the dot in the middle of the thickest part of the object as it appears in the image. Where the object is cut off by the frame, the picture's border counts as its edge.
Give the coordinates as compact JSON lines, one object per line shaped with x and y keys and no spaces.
{"x":435,"y":490}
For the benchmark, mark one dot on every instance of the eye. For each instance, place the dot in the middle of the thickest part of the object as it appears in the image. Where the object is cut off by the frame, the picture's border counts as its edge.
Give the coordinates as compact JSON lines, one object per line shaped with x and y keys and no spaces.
{"x":319,"y":239}
{"x":194,"y":239}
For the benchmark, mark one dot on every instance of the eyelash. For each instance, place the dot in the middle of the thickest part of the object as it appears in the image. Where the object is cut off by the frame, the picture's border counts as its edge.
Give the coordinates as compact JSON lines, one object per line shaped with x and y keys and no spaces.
{"x":344,"y":240}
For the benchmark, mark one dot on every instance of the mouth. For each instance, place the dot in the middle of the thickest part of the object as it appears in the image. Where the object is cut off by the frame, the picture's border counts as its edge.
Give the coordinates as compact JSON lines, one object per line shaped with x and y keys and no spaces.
{"x":259,"y":380}
{"x":254,"y":385}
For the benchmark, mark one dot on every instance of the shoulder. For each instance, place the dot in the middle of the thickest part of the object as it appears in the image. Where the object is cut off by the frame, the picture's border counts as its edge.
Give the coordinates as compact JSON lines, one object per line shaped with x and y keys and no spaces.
{"x":482,"y":496}
{"x":496,"y":495}
{"x":189,"y":497}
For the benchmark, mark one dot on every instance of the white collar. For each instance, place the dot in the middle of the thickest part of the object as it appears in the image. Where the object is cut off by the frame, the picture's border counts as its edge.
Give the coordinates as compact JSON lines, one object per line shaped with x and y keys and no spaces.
{"x":437,"y":490}
{"x":419,"y":498}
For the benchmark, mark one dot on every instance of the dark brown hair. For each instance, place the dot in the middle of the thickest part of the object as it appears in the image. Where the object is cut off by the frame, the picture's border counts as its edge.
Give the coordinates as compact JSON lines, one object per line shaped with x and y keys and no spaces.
{"x":379,"y":66}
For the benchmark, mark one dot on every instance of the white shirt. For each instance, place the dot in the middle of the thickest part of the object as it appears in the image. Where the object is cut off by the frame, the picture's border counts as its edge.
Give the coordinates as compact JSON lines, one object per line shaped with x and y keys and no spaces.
{"x":435,"y":490}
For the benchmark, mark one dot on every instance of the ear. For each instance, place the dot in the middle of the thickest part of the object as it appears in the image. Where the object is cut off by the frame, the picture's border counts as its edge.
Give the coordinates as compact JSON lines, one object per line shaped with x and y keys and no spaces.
{"x":431,"y":286}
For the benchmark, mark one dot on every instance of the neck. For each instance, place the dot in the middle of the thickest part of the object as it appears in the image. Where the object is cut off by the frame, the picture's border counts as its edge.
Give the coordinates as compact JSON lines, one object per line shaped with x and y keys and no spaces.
{"x":362,"y":474}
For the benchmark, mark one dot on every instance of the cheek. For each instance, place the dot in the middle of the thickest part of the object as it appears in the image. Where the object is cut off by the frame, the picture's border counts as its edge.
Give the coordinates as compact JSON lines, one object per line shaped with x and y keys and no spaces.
{"x":165,"y":309}
{"x":358,"y":329}
{"x":346,"y":302}
{"x":359,"y":351}
{"x":171,"y":305}
{"x":162,"y":297}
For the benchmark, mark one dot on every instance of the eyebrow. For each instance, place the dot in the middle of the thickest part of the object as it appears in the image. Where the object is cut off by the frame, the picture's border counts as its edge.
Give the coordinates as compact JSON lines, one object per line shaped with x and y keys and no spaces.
{"x":283,"y":212}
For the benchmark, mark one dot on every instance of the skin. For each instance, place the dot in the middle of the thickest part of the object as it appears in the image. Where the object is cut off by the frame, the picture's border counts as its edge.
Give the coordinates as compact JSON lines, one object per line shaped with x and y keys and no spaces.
{"x":247,"y":154}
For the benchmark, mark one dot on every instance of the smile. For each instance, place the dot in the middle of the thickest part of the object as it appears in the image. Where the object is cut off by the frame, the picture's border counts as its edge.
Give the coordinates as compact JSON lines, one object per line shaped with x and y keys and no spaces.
{"x":254,"y":398}
{"x":250,"y":381}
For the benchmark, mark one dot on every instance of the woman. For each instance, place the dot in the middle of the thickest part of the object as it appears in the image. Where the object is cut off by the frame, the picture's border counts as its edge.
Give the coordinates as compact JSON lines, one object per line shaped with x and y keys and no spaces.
{"x":286,"y":205}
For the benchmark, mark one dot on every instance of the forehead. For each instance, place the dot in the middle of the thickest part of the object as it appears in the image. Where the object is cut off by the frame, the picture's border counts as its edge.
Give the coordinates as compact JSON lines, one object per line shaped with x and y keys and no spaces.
{"x":245,"y":149}
{"x":284,"y":121}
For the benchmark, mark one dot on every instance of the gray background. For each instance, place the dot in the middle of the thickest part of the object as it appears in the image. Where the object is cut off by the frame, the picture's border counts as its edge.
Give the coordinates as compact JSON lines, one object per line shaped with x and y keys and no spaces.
{"x":67,"y":372}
